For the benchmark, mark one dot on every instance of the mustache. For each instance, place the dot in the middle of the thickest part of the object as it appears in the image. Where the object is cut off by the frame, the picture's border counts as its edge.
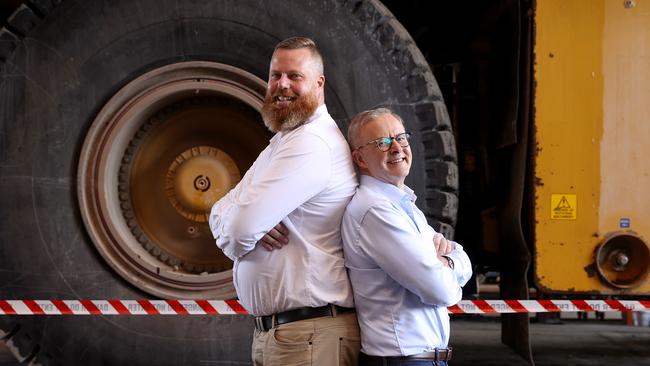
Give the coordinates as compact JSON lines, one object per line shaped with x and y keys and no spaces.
{"x":286,"y":118}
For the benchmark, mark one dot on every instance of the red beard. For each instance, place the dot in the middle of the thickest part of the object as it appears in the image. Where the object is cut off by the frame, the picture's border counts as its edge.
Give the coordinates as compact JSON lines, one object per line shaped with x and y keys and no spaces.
{"x":291,"y":117}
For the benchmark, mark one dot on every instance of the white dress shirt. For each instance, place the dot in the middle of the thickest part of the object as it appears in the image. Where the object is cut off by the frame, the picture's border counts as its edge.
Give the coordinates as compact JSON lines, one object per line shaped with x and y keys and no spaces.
{"x":401,"y":289}
{"x":304,"y":179}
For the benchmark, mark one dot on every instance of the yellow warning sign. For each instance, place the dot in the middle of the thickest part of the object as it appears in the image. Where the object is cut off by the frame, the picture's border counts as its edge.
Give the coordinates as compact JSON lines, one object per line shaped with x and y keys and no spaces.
{"x":564,"y":207}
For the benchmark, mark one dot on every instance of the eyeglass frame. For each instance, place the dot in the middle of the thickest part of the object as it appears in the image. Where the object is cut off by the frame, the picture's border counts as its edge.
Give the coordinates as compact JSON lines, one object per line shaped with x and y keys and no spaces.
{"x":394,"y":138}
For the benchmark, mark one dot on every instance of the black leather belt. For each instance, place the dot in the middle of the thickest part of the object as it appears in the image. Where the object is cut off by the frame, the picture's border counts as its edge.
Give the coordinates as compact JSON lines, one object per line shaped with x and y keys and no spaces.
{"x":439,"y":354}
{"x":264,"y":323}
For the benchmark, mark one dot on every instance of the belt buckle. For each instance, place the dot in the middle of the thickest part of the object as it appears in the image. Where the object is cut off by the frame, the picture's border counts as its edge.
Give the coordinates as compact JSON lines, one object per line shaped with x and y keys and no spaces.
{"x":259,"y":324}
{"x":447,"y":355}
{"x":333,"y":311}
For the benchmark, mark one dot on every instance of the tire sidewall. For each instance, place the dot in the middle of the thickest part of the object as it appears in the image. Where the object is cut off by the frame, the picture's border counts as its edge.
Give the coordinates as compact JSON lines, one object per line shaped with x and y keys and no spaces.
{"x":72,"y":63}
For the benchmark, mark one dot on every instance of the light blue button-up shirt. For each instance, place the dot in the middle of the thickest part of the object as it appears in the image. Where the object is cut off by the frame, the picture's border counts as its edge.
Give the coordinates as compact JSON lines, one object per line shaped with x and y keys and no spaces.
{"x":401,"y":289}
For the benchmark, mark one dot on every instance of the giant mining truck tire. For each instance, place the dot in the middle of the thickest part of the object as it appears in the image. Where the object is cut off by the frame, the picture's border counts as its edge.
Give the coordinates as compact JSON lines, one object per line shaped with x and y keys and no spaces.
{"x":123,"y":120}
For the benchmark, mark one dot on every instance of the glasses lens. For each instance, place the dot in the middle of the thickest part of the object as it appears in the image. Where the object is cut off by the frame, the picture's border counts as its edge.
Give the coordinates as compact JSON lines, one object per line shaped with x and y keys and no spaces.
{"x":384,"y":143}
{"x":403,"y":139}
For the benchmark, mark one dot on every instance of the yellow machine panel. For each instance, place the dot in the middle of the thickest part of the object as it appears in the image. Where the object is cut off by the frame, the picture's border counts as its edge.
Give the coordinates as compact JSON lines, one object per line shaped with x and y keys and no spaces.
{"x":592,"y":101}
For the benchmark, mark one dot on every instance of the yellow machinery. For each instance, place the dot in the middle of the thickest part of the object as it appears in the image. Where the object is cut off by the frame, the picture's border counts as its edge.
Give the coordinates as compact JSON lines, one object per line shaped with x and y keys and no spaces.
{"x":123,"y":121}
{"x":592,"y":172}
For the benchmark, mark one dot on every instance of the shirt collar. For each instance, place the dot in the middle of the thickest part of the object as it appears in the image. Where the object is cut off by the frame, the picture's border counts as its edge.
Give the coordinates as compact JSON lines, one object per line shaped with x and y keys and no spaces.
{"x":391,"y":191}
{"x":319,"y":112}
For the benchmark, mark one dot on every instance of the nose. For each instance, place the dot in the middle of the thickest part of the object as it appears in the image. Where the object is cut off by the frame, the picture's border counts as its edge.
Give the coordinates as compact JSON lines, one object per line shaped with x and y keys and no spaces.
{"x":395,"y":147}
{"x":284,"y":82}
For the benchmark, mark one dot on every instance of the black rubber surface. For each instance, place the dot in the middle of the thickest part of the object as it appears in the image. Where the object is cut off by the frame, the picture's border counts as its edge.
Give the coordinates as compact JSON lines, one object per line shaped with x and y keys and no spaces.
{"x":61,"y":61}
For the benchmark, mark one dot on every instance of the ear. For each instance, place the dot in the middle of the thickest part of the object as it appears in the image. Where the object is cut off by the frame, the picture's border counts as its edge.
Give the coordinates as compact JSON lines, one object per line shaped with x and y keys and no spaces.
{"x":321,"y":81}
{"x":358,"y":159}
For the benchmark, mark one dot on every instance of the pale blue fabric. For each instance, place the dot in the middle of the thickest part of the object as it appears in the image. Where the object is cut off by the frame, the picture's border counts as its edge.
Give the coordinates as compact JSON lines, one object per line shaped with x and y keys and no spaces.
{"x":401,"y":289}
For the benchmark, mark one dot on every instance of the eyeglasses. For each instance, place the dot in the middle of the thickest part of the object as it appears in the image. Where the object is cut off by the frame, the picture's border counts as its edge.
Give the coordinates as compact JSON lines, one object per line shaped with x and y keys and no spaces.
{"x":384,"y":143}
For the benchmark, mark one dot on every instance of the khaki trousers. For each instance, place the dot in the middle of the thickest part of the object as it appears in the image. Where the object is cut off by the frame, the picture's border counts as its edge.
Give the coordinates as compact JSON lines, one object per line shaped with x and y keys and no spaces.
{"x":326,"y":341}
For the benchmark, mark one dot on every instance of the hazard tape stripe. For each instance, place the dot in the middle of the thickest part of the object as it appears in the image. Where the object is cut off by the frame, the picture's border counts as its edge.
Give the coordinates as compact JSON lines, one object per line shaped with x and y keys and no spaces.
{"x":5,"y":308}
{"x":233,"y":307}
{"x":34,"y":307}
{"x":120,"y":307}
{"x":541,"y":306}
{"x":549,"y":306}
{"x":206,"y":307}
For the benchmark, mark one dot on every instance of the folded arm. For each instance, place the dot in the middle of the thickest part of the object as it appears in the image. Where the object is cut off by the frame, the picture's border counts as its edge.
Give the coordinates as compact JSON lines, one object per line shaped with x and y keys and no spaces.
{"x":388,"y":238}
{"x":462,"y":264}
{"x":298,"y":170}
{"x":448,"y":249}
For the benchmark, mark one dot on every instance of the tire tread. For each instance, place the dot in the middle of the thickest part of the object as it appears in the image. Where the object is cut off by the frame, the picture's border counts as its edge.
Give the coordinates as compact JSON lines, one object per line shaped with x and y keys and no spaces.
{"x":441,"y":201}
{"x":21,"y":337}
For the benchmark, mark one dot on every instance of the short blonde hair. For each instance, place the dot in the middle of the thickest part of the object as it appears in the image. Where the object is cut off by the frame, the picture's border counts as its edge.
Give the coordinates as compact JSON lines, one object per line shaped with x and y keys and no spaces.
{"x":364,"y":117}
{"x":295,"y":43}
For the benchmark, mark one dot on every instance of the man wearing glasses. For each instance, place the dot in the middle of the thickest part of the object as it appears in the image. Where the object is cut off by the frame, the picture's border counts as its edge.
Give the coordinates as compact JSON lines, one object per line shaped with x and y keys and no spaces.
{"x":404,"y":275}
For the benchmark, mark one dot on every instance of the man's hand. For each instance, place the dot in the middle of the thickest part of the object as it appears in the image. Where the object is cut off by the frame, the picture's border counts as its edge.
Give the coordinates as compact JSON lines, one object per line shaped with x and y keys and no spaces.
{"x":276,"y":238}
{"x":443,"y":246}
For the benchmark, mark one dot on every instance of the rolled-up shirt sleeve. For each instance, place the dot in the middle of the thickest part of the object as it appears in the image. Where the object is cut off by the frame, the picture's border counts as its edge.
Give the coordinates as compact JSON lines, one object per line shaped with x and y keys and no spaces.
{"x":400,"y":251}
{"x":299,"y":169}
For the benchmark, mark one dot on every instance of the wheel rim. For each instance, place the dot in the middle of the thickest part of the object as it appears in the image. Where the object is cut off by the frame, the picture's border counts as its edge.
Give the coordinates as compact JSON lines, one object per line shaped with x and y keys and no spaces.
{"x":157,"y":156}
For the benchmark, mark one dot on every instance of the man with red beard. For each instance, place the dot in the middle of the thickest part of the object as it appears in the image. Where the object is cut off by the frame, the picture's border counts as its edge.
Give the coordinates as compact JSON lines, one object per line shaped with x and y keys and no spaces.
{"x":281,"y":223}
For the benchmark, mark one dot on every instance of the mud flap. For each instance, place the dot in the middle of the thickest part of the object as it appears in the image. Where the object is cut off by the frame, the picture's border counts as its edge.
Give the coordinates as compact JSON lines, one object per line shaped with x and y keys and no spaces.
{"x":517,"y":256}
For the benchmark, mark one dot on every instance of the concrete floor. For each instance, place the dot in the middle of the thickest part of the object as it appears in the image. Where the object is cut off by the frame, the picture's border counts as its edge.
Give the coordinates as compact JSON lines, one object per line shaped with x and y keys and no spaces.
{"x":6,"y":358}
{"x":476,"y":341}
{"x":573,"y":342}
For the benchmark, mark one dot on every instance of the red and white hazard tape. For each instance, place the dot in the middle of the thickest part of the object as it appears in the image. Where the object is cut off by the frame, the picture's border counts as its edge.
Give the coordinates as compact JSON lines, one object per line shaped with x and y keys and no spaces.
{"x":544,"y":306}
{"x":233,"y":307}
{"x":120,"y":307}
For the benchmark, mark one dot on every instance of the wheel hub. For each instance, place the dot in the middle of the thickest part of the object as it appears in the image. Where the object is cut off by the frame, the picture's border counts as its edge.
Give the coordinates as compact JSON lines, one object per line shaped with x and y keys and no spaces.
{"x":197,"y":178}
{"x":158,"y":155}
